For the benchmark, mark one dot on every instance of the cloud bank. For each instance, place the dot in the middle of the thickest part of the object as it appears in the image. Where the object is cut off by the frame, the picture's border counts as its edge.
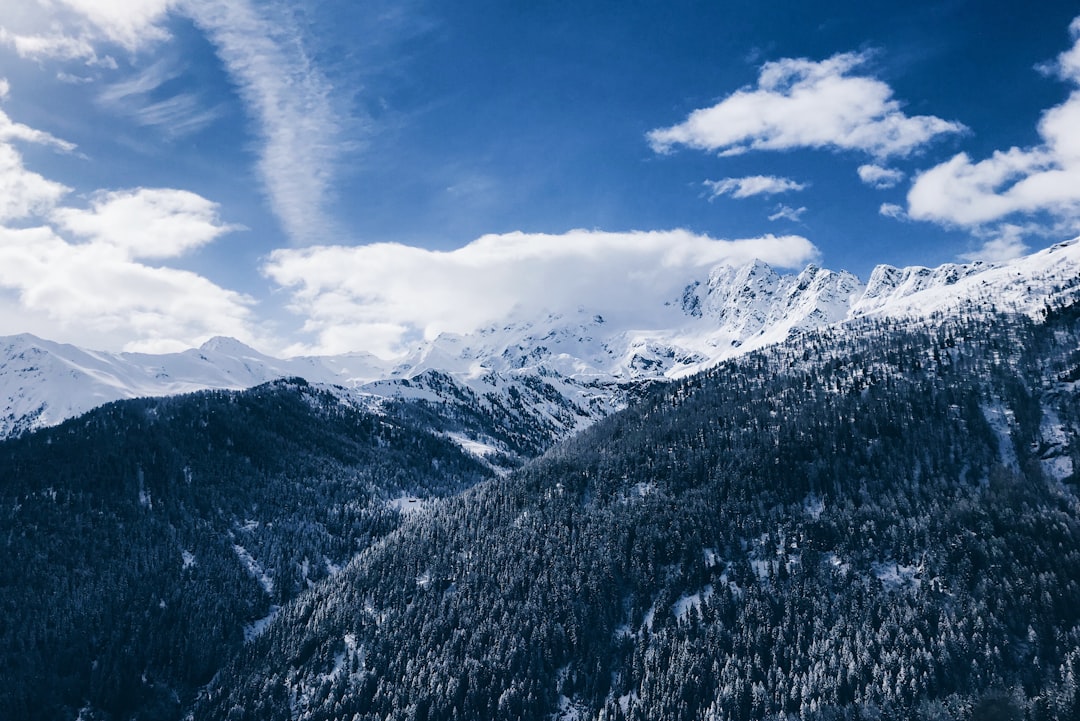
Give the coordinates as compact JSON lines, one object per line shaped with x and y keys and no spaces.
{"x":81,"y":272}
{"x":799,"y":103}
{"x":1044,"y":179}
{"x":385,"y":296}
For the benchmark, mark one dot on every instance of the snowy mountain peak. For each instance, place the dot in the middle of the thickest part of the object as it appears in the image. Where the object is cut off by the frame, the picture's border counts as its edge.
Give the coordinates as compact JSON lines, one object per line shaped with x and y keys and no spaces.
{"x":576,"y":361}
{"x":229,"y":346}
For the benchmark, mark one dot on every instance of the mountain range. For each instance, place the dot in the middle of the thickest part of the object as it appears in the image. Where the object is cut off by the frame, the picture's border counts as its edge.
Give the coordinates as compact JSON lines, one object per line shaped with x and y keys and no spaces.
{"x":556,"y":374}
{"x":874,"y":518}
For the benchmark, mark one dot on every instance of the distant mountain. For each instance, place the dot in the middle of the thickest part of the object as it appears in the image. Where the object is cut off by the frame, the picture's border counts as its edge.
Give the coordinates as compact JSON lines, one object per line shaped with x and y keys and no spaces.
{"x":552,"y":375}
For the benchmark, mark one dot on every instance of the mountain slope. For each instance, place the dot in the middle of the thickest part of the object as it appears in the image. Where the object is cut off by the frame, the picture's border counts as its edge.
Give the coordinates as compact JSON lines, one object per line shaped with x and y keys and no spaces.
{"x":144,"y":541}
{"x":872,"y":522}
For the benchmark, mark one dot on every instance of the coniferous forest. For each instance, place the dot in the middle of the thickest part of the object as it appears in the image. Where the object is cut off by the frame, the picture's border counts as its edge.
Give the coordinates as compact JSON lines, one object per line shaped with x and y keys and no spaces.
{"x":878,"y":521}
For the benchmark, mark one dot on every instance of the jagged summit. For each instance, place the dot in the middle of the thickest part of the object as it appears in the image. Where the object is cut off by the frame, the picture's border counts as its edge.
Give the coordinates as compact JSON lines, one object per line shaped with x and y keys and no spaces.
{"x":573,"y":365}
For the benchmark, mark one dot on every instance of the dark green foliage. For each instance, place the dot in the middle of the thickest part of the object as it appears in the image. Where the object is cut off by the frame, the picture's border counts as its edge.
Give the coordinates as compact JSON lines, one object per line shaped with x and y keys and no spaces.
{"x":858,"y":524}
{"x":839,"y":528}
{"x":123,"y":584}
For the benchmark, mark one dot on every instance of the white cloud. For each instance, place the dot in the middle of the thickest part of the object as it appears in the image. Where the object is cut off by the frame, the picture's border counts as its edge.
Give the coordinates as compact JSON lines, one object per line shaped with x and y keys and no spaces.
{"x":1008,"y":244}
{"x":786,"y":212}
{"x":130,"y":24}
{"x":70,"y":30}
{"x":892,"y":210}
{"x":24,"y":193}
{"x":1019,"y":181}
{"x":95,"y":294}
{"x":291,"y":102}
{"x":799,"y":103}
{"x":381,"y":297}
{"x":998,"y":250}
{"x":751,"y":185}
{"x":145,"y":222}
{"x":83,"y":281}
{"x":51,"y":47}
{"x":880,"y":177}
{"x":10,"y":130}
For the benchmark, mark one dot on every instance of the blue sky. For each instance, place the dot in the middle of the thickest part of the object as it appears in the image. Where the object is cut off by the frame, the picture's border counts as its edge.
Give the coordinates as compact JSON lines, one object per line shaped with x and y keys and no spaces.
{"x":329,"y":176}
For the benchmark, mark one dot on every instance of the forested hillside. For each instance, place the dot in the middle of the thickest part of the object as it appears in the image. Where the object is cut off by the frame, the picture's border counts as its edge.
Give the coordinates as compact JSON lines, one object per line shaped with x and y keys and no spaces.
{"x":879,"y":521}
{"x":143,"y":541}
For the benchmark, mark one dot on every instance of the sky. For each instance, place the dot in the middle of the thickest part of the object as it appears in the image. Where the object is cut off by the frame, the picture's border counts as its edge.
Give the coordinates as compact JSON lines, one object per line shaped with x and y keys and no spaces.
{"x":326,"y":176}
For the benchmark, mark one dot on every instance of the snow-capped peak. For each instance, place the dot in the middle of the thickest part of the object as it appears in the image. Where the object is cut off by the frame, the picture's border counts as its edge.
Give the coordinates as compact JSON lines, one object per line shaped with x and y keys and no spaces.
{"x":583,"y":355}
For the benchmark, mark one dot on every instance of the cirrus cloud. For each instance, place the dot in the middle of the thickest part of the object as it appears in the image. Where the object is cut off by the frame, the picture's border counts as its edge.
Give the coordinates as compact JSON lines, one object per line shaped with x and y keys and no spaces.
{"x":799,"y":103}
{"x":752,"y":185}
{"x":382,"y":297}
{"x":260,"y":47}
{"x":291,"y":100}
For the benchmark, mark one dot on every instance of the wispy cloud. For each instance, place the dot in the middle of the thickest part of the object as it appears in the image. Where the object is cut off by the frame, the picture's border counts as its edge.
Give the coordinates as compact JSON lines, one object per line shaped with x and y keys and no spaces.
{"x":892,"y":210}
{"x":799,"y":103}
{"x":299,"y":136}
{"x":176,"y":114}
{"x":381,"y":297}
{"x":299,"y":130}
{"x":12,"y":131}
{"x":1043,"y":179}
{"x":1007,"y":243}
{"x":752,"y":185}
{"x":879,"y":177}
{"x":786,"y":212}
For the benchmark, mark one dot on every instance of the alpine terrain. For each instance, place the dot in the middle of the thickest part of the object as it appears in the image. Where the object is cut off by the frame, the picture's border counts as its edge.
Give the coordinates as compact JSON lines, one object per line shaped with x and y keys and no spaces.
{"x":545,"y":378}
{"x":777,"y":497}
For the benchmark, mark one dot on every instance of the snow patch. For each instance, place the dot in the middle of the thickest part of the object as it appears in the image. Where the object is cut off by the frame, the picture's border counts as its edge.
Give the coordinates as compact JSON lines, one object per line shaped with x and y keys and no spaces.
{"x":1001,"y":420}
{"x":711,"y":557}
{"x":682,"y":606}
{"x":407,"y":505}
{"x":254,"y":629}
{"x":834,"y":561}
{"x":894,"y":576}
{"x":255,"y":569}
{"x":1053,"y":450}
{"x":472,"y":446}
